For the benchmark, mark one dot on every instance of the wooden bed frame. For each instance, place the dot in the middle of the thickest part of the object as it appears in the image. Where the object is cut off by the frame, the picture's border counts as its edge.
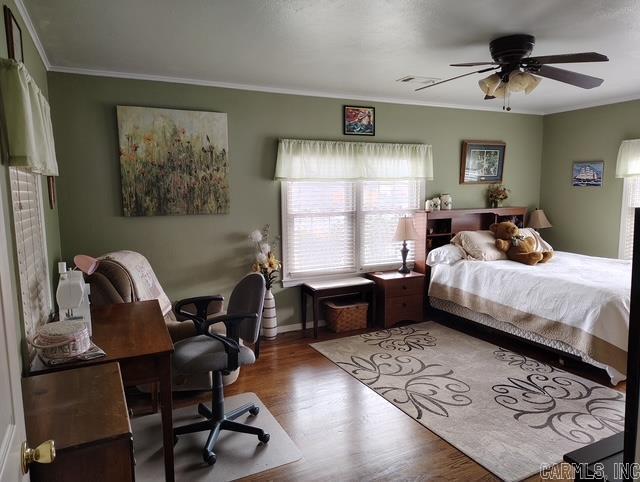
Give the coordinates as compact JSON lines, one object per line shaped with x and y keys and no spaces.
{"x":436,"y":228}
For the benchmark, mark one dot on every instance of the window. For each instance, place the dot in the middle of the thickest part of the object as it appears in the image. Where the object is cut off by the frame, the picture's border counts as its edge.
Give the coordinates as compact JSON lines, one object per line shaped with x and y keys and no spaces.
{"x":630,"y":201}
{"x":335,"y":227}
{"x":26,"y":195}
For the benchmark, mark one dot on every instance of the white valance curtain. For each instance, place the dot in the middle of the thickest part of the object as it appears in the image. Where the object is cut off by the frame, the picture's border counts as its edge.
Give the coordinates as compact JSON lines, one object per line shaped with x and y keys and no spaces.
{"x":306,"y":159}
{"x":28,"y":137}
{"x":628,"y":164}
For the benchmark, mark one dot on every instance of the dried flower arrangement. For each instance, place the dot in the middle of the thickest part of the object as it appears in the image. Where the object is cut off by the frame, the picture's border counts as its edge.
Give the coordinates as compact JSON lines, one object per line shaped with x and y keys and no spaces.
{"x":496,"y":193}
{"x":266,"y":262}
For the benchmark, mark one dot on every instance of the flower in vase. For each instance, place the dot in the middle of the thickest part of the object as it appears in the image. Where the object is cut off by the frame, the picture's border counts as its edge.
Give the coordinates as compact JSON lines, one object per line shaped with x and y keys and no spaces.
{"x":262,"y":258}
{"x":256,"y":236}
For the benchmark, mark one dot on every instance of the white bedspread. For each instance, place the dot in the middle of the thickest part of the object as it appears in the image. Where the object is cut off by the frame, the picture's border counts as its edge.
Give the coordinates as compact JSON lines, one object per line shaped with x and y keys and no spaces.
{"x":589,"y":293}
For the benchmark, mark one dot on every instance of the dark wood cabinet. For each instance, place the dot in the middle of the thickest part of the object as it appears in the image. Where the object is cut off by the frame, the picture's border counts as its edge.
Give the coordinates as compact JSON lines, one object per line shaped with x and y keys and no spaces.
{"x":399,"y":297}
{"x":436,"y":228}
{"x":85,"y":413}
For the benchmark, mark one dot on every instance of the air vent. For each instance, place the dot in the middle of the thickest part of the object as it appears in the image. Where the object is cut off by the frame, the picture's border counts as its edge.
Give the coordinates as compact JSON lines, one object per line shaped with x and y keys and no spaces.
{"x":417,"y":79}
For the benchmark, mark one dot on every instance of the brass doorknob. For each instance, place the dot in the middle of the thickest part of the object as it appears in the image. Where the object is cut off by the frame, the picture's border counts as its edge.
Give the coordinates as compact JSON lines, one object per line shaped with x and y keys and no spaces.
{"x":45,"y":453}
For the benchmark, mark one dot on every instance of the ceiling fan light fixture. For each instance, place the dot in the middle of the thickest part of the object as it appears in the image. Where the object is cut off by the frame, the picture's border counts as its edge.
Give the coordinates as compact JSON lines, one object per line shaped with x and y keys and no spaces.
{"x":533,"y":83}
{"x":489,"y":84}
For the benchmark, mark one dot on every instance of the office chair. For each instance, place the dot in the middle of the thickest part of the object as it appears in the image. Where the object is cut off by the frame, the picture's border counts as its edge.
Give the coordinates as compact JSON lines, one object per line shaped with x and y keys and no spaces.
{"x":218,"y":354}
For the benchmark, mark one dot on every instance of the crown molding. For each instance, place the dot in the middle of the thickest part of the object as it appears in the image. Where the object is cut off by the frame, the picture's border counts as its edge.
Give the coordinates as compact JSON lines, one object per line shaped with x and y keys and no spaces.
{"x":601,"y":103}
{"x":26,"y":18}
{"x":272,"y":90}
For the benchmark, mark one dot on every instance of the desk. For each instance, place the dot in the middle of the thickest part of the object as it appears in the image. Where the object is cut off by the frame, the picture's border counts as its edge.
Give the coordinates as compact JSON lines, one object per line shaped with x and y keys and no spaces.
{"x":323,"y":290}
{"x":85,"y":413}
{"x":136,"y":336}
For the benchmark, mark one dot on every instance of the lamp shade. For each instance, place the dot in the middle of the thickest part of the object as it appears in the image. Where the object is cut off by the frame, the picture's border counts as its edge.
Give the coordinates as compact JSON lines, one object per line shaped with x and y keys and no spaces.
{"x":405,"y":230}
{"x":538,"y":220}
{"x":628,"y":164}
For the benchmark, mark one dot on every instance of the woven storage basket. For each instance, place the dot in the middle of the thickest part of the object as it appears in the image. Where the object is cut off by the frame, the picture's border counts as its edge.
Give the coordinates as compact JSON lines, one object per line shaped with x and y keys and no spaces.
{"x":346,"y":316}
{"x":61,"y":340}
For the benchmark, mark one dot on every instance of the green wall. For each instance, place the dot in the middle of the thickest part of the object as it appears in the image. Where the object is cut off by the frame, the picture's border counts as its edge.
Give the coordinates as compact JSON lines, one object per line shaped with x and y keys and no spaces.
{"x":585,"y":220}
{"x":37,"y":69}
{"x":207,"y":254}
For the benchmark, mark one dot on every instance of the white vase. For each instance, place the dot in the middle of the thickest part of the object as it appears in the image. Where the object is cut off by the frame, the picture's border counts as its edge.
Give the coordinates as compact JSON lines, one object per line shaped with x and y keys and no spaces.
{"x":269,"y":319}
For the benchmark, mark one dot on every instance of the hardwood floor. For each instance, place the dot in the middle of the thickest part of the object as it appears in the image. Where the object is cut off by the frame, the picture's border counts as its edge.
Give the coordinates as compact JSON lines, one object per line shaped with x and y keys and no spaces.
{"x":344,"y":429}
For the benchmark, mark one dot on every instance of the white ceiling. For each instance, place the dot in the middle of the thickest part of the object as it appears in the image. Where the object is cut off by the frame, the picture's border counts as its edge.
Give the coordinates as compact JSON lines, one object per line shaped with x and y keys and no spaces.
{"x":342,"y":48}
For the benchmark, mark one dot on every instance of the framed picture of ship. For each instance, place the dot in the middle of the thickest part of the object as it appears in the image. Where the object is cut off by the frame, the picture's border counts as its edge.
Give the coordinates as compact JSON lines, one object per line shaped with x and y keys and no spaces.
{"x":587,"y":174}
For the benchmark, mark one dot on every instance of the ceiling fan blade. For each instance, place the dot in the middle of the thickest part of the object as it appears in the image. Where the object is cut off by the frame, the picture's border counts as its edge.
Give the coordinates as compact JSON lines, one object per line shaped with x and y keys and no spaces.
{"x":472,"y":64}
{"x":568,"y":77}
{"x":568,"y":58}
{"x":457,"y":77}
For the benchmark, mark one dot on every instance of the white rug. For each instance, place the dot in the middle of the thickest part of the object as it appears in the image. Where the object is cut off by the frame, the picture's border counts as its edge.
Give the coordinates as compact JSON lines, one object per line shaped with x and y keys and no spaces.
{"x":510,"y":413}
{"x":238,"y":455}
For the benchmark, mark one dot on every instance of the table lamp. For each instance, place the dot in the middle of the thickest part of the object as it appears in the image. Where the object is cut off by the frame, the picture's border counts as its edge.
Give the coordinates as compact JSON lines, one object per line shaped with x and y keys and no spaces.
{"x":405,"y":231}
{"x":538,"y":220}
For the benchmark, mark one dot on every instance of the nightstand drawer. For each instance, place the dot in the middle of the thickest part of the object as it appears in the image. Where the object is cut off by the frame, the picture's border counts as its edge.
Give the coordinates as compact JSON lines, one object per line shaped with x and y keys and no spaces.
{"x":403,"y":308}
{"x":405,"y":287}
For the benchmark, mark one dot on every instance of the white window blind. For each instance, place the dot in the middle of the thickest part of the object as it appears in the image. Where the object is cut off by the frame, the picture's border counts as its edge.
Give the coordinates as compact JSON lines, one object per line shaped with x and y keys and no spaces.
{"x":319,"y":227}
{"x":383,"y":203}
{"x":33,"y":269}
{"x":344,"y":226}
{"x":630,"y":201}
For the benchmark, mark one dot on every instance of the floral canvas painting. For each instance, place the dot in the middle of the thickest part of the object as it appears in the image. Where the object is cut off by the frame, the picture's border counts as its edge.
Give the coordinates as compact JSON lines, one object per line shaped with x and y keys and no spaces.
{"x":173,"y":161}
{"x":359,"y":121}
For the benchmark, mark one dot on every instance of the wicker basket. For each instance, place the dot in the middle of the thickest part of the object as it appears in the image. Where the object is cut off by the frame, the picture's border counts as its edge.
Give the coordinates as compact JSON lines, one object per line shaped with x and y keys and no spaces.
{"x":345,"y":316}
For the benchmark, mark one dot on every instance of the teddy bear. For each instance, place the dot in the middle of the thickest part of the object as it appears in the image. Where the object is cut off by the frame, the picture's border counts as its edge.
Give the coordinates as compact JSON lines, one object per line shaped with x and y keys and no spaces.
{"x":518,"y":247}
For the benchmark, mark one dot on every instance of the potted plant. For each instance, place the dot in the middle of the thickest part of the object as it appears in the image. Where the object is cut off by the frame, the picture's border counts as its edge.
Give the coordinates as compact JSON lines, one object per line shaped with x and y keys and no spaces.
{"x":267,"y":264}
{"x":496,"y":194}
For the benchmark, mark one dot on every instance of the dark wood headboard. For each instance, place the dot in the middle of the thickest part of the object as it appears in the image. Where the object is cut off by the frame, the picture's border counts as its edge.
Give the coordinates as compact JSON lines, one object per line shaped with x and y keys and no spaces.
{"x":436,"y":228}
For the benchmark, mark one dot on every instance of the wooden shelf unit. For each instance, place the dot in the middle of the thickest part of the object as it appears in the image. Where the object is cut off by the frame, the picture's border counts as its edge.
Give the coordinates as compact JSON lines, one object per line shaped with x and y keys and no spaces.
{"x":437,"y":228}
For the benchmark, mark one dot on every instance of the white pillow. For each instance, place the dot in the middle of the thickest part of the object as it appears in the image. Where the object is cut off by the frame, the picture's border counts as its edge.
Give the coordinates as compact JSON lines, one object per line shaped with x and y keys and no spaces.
{"x":479,"y":245}
{"x":447,"y":254}
{"x":541,"y":244}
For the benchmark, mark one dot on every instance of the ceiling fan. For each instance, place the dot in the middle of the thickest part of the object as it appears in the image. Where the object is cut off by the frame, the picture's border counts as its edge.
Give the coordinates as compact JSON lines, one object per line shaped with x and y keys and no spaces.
{"x":514,"y":70}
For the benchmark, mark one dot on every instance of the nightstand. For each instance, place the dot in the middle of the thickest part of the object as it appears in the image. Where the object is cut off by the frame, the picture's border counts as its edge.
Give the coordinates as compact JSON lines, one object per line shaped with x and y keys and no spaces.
{"x":400,"y":297}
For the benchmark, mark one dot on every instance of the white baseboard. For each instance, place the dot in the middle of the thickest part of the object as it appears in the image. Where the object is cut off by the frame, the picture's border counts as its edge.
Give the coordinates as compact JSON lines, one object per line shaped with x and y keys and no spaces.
{"x":298,"y":326}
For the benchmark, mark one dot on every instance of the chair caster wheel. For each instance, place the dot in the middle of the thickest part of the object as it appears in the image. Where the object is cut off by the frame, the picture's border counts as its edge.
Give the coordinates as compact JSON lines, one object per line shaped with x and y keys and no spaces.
{"x":254,"y":411}
{"x":209,"y":458}
{"x":264,"y":438}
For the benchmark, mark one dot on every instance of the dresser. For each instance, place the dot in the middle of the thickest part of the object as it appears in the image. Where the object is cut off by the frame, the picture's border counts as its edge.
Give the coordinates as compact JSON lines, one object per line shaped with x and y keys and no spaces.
{"x":399,"y":297}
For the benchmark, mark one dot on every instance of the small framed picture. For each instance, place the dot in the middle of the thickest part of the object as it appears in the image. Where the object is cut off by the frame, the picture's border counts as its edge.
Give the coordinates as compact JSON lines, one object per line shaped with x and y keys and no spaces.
{"x":359,"y":121}
{"x":14,"y":36}
{"x":587,"y":173}
{"x":482,"y":162}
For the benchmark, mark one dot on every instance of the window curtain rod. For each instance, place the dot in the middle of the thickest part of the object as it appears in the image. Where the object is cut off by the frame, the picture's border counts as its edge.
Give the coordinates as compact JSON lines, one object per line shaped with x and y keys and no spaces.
{"x":317,"y":160}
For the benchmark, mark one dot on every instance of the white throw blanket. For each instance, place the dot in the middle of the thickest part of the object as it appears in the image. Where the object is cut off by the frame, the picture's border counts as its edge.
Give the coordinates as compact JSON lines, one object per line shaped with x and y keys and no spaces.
{"x":144,"y":281}
{"x":591,"y":295}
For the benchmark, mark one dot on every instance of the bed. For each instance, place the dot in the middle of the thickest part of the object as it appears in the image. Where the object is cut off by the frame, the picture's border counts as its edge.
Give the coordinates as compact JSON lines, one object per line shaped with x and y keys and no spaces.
{"x":575,"y":304}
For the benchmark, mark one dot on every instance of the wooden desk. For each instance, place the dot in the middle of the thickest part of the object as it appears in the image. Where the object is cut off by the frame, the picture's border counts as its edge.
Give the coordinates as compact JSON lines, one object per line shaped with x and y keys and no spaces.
{"x":85,"y":413}
{"x":134,"y":335}
{"x":323,"y":290}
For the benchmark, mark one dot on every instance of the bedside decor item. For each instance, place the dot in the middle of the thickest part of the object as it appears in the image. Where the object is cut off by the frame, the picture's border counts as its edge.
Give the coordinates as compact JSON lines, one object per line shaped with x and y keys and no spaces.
{"x":496,"y":194}
{"x":359,"y":121}
{"x":15,"y":50}
{"x":587,"y":173}
{"x":446,"y":201}
{"x":538,"y":220}
{"x":428,"y":205}
{"x":173,"y":161}
{"x":435,"y":204}
{"x":482,"y":162}
{"x":405,"y":231}
{"x":268,"y":266}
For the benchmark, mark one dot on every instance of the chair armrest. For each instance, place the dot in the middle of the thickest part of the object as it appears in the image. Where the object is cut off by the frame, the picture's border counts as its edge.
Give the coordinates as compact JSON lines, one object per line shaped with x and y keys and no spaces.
{"x":231,"y":321}
{"x":231,"y":348}
{"x":202,"y":304}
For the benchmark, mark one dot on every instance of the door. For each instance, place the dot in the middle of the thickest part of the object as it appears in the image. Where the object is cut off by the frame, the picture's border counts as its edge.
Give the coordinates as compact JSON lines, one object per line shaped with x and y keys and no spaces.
{"x":12,"y":432}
